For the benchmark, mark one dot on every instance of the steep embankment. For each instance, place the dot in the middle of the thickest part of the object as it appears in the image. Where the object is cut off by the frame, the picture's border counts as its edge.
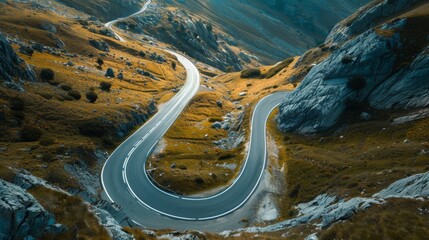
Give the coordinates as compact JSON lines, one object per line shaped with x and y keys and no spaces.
{"x":385,"y":67}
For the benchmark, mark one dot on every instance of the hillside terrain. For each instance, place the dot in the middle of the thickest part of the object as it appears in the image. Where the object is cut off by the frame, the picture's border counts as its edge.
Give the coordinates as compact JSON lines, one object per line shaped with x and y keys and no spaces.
{"x":348,"y":148}
{"x":271,"y":30}
{"x":230,"y":35}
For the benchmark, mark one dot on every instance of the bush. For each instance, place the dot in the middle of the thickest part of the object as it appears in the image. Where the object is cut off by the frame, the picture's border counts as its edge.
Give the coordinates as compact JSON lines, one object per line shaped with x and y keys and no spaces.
{"x":276,"y":69}
{"x":30,"y":134}
{"x":91,"y":96}
{"x":47,"y":74}
{"x":100,"y":62}
{"x":46,"y":141}
{"x":251,"y":73}
{"x":65,"y":87}
{"x":105,"y":86}
{"x":173,"y":65}
{"x":74,"y":94}
{"x":356,"y":83}
{"x":92,"y":128}
{"x":17,"y":104}
{"x":142,"y":54}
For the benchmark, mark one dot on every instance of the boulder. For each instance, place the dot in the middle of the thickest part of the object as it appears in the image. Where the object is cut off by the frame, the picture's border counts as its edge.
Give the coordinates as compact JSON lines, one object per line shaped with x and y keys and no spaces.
{"x":110,"y":73}
{"x":48,"y":26}
{"x":217,"y":125}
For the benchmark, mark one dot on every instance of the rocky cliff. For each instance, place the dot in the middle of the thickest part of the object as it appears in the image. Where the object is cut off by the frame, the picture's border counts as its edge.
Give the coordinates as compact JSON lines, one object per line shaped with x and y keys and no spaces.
{"x":385,"y":67}
{"x":13,"y":69}
{"x":21,"y":216}
{"x":190,"y":35}
{"x":272,"y":29}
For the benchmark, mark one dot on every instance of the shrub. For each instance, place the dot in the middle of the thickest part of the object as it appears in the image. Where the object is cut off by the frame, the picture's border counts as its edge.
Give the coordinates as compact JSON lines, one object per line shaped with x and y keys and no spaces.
{"x":46,"y":141}
{"x":65,"y":87}
{"x":16,"y":104}
{"x":100,"y":62}
{"x":47,"y":74}
{"x":251,"y":73}
{"x":356,"y":83}
{"x":173,"y":65}
{"x":92,"y":128}
{"x":105,"y":86}
{"x":276,"y":69}
{"x":74,"y":94}
{"x":142,"y":54}
{"x":91,"y":96}
{"x":30,"y":134}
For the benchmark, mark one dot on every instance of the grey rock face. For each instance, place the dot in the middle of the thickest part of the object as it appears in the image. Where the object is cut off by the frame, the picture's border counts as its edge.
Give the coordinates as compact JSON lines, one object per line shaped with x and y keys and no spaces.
{"x":135,"y":118}
{"x":408,"y":88}
{"x":325,"y":91}
{"x":12,"y":68}
{"x":367,"y":18}
{"x":111,"y":225}
{"x":194,"y":37}
{"x":326,"y":210}
{"x":21,"y":215}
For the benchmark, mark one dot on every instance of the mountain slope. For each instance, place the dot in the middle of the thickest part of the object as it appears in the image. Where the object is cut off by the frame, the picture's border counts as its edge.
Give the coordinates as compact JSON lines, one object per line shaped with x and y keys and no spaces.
{"x":272,"y":30}
{"x":384,"y":68}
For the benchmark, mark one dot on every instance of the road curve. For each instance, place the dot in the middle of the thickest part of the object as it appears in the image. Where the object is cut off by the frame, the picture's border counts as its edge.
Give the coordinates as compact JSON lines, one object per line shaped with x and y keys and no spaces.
{"x":126,"y":183}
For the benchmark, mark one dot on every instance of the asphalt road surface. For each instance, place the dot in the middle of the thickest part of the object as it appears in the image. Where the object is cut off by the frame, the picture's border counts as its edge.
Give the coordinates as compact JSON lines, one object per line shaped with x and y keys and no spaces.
{"x":126,"y":182}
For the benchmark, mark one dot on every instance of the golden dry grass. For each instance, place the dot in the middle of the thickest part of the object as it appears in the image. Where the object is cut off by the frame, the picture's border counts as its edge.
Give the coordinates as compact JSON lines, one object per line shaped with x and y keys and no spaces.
{"x":194,"y":154}
{"x":367,"y":158}
{"x":396,"y":219}
{"x":72,"y":212}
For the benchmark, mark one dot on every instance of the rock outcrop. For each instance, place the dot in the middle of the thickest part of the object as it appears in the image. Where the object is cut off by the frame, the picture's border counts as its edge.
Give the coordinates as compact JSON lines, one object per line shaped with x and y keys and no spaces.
{"x":13,"y":69}
{"x":21,"y":216}
{"x":194,"y":37}
{"x":325,"y":210}
{"x":367,"y":17}
{"x":386,"y":67}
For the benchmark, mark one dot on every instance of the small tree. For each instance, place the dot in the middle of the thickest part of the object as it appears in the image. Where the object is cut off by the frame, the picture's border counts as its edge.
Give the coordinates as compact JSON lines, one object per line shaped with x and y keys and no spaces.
{"x":47,"y":74}
{"x":105,"y":86}
{"x":100,"y":62}
{"x":173,"y":65}
{"x":91,"y":96}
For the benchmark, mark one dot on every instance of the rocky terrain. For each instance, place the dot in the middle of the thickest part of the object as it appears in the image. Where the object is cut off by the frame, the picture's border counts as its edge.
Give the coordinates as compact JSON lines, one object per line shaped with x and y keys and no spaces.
{"x":271,"y":30}
{"x":21,"y":216}
{"x":13,"y":69}
{"x":383,"y":68}
{"x":189,"y":34}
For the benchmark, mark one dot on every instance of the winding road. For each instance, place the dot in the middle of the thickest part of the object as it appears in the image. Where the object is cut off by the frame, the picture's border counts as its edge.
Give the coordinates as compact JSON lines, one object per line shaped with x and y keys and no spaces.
{"x":127,"y":184}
